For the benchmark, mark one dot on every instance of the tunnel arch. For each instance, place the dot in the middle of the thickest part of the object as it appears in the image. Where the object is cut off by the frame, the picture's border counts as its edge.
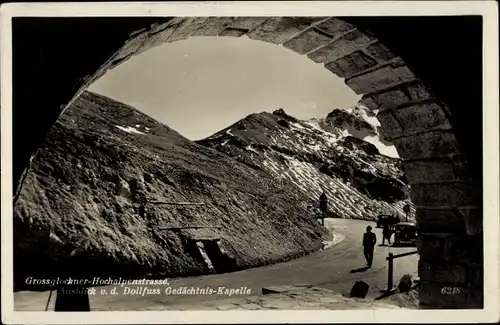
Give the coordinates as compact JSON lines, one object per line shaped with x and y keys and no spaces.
{"x":417,"y":122}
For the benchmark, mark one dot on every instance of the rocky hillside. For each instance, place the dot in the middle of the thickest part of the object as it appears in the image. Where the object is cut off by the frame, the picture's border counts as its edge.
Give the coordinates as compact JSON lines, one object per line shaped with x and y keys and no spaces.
{"x":326,"y":154}
{"x":90,"y":201}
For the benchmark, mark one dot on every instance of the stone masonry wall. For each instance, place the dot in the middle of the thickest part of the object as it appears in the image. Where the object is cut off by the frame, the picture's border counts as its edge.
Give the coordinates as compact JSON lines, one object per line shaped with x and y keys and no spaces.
{"x":449,"y":221}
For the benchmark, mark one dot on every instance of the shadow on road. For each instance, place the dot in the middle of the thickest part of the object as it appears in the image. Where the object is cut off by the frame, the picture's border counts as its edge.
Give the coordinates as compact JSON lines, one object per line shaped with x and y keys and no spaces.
{"x":385,"y":294}
{"x":361,"y":269}
{"x":395,"y":291}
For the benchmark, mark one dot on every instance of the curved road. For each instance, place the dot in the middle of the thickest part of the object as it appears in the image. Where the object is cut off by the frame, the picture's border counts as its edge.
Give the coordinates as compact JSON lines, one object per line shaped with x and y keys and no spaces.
{"x":330,"y":269}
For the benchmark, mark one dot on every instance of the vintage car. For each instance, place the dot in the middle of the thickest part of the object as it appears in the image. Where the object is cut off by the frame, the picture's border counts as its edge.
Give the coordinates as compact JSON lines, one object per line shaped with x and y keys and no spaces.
{"x":405,"y":232}
{"x":389,"y":220}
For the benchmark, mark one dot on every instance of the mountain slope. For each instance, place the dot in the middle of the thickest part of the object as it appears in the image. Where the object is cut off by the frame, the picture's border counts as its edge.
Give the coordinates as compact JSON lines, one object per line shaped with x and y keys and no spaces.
{"x":319,"y":155}
{"x":361,"y":122}
{"x":87,"y":201}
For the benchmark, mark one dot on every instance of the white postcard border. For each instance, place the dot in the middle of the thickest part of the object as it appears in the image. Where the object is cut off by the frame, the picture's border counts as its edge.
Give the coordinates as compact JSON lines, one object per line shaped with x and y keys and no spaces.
{"x":489,"y":11}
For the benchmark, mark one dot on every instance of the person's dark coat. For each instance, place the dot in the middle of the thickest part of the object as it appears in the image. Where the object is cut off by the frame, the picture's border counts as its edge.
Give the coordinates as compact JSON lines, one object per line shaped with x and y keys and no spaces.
{"x":369,"y":240}
{"x":323,"y":202}
{"x":386,"y":232}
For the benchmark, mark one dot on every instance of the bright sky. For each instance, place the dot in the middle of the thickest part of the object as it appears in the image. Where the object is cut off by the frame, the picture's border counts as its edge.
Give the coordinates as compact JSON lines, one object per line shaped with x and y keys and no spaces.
{"x":201,"y":85}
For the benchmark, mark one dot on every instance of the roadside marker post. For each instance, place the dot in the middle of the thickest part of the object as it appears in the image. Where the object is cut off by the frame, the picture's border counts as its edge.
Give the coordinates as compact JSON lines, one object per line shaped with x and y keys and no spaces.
{"x":390,"y":269}
{"x":390,"y":272}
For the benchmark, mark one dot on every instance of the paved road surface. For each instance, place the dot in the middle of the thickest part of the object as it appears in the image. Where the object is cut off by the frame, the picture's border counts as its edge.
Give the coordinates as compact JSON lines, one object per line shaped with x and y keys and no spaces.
{"x":330,"y":269}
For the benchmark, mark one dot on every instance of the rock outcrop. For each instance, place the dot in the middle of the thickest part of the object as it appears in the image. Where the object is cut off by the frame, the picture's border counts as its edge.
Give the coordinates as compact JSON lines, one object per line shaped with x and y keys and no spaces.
{"x":89,"y":190}
{"x":326,"y":154}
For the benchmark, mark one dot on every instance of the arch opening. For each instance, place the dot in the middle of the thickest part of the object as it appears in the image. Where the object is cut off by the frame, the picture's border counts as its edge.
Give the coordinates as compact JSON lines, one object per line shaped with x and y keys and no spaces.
{"x":230,"y":78}
{"x":417,"y":122}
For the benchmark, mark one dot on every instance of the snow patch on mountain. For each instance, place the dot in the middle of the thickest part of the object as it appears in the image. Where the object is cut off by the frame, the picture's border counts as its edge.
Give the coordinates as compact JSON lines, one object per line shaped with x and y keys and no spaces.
{"x":370,"y":117}
{"x":348,"y":202}
{"x":360,"y":177}
{"x":129,"y":129}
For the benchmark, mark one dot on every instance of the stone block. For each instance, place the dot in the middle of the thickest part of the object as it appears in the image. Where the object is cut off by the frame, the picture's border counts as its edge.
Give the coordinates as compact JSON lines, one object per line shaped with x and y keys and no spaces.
{"x":335,"y":26}
{"x":443,"y":194}
{"x":475,"y":298}
{"x":473,"y":219}
{"x":418,"y":91}
{"x":420,"y":117}
{"x":280,"y":29}
{"x":405,"y":283}
{"x":476,"y":286}
{"x":117,"y":62}
{"x":396,"y":62}
{"x":453,"y":274}
{"x":439,"y":221}
{"x":427,"y":145}
{"x":139,"y":31}
{"x":155,"y":39}
{"x":187,"y":27}
{"x":461,"y":167}
{"x":248,"y":22}
{"x":393,"y":97}
{"x":430,"y":247}
{"x":131,"y":46}
{"x":380,"y":52}
{"x":233,"y":32}
{"x":345,"y":45}
{"x":436,"y":295}
{"x":376,"y":80}
{"x":369,"y":102}
{"x":168,"y":22}
{"x":98,"y":74}
{"x":359,"y":289}
{"x":436,"y":170}
{"x":466,"y":249}
{"x":213,"y":25}
{"x":351,"y":64}
{"x":307,"y":41}
{"x":389,"y":99}
{"x":390,"y":125}
{"x":476,"y":276}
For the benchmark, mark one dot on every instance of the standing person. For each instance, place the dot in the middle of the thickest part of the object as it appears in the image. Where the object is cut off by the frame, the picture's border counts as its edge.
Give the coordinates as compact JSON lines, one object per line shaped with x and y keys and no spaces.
{"x":323,"y":206}
{"x":386,"y":234}
{"x":369,"y":241}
